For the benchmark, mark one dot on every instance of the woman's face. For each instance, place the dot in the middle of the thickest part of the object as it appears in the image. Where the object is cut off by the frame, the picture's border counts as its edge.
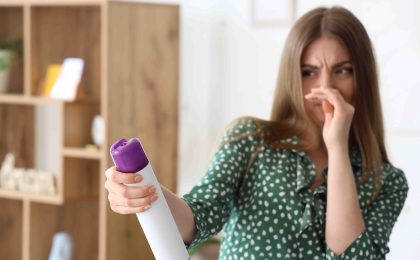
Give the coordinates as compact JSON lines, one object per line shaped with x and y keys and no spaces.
{"x":326,"y":63}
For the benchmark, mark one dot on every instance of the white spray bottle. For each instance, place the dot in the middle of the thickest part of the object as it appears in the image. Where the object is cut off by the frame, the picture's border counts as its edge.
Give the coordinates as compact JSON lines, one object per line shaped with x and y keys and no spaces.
{"x":157,"y":222}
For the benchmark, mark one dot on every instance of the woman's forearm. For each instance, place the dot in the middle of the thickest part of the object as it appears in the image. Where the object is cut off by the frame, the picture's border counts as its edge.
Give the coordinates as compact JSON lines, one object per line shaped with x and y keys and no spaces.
{"x":182,"y":214}
{"x":344,"y":220}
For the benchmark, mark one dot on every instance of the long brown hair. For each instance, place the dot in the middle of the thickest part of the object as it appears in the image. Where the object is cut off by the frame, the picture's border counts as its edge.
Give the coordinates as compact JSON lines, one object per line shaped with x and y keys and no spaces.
{"x":288,"y":116}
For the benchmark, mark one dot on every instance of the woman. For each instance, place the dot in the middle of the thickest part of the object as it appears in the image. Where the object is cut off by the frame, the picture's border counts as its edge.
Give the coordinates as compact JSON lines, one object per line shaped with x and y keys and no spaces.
{"x":314,"y":181}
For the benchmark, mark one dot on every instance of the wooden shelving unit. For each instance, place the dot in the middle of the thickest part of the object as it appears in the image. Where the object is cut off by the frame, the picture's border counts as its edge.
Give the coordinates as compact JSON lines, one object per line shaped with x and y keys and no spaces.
{"x":130,"y":78}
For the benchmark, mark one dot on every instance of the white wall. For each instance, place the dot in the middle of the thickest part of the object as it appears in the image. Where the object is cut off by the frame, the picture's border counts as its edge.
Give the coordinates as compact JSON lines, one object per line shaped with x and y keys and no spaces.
{"x":229,"y":68}
{"x":47,"y":145}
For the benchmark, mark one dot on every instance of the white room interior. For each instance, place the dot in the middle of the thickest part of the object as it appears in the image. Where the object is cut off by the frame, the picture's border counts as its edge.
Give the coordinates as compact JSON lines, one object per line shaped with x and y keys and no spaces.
{"x":228,"y":68}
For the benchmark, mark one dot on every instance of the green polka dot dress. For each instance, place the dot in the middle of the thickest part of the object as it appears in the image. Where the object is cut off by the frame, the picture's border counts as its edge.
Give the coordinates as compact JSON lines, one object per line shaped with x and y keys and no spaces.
{"x":269,"y":212}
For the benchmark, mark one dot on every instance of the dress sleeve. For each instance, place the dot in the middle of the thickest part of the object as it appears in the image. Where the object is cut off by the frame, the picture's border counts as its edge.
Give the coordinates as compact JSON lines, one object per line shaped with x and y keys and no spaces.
{"x":211,"y":200}
{"x":379,"y":220}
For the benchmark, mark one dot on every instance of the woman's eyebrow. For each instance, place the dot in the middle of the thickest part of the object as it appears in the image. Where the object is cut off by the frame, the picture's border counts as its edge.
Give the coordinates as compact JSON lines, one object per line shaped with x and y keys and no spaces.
{"x":309,"y":66}
{"x":339,"y":64}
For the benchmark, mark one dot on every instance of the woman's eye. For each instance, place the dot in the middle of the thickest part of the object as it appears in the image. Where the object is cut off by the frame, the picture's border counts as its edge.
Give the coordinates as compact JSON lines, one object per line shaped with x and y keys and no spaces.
{"x":345,"y":71}
{"x":307,"y":73}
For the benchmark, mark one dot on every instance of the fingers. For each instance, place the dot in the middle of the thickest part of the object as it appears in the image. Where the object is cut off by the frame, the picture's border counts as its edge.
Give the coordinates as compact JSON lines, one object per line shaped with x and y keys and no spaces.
{"x":125,"y":205}
{"x":119,"y":177}
{"x":320,"y":99}
{"x":333,"y":97}
{"x":328,"y":91}
{"x":116,"y":200}
{"x":327,"y":107}
{"x":129,"y":192}
{"x":128,"y":210}
{"x":125,"y":199}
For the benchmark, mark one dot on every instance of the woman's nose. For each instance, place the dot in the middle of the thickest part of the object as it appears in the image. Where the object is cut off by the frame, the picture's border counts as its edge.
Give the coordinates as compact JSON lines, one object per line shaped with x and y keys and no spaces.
{"x":326,"y":80}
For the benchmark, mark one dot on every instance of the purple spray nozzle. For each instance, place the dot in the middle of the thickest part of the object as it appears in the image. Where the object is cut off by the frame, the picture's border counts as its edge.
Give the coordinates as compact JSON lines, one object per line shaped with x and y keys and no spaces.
{"x":128,"y":156}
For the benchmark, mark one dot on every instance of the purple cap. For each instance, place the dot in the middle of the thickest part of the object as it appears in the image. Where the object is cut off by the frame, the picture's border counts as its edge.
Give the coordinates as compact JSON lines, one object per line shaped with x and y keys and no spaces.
{"x":128,"y":156}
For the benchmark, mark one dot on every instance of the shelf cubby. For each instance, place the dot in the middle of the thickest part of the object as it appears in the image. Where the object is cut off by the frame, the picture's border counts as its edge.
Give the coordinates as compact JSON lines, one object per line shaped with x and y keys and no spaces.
{"x":11,"y":29}
{"x":81,"y":178}
{"x":17,"y":133}
{"x":58,"y":32}
{"x":74,"y":218}
{"x":78,"y":119}
{"x":10,"y":229}
{"x":27,"y":137}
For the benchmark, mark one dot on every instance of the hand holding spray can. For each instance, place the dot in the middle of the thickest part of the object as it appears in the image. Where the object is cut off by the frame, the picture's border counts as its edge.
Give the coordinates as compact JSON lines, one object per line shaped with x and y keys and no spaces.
{"x":157,"y":223}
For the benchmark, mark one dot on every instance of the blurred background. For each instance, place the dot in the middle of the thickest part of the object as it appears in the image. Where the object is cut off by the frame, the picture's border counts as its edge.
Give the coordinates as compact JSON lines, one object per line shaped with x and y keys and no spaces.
{"x":174,"y":73}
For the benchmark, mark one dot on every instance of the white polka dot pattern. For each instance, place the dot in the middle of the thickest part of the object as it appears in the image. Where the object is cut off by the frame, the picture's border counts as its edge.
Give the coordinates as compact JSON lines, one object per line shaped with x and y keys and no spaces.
{"x":269,"y":211}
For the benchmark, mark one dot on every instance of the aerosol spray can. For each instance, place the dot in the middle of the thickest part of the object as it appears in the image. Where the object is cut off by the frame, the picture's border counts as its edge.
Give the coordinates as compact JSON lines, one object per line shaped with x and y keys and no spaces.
{"x":157,"y":222}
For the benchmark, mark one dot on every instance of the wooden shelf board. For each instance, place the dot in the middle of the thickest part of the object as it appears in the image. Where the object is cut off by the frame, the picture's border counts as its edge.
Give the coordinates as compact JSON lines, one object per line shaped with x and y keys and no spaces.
{"x":82,"y":153}
{"x":15,"y":3}
{"x":51,"y":2}
{"x":17,"y":99}
{"x":66,"y":2}
{"x":17,"y":195}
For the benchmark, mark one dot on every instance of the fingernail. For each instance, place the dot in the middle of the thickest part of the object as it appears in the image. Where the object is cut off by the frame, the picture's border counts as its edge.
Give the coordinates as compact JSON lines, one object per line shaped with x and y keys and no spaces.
{"x":138,"y":178}
{"x":146,"y":207}
{"x":154,"y":197}
{"x":152,"y":189}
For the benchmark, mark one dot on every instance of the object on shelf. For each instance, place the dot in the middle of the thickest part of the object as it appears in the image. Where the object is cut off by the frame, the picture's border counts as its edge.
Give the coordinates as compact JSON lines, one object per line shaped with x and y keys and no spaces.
{"x":52,"y":74}
{"x":8,"y":50}
{"x":6,"y":180}
{"x":62,"y":247}
{"x":65,"y":87}
{"x":91,"y":147}
{"x":5,"y":64}
{"x":98,"y":130}
{"x":29,"y":180}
